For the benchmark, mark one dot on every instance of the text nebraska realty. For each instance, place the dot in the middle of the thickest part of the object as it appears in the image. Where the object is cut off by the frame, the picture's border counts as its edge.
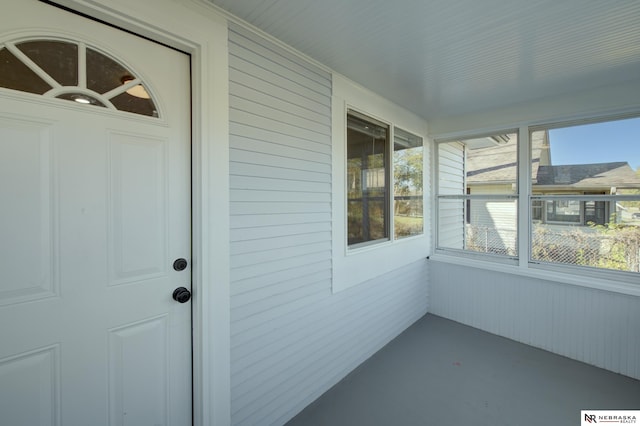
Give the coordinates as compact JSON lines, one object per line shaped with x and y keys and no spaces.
{"x":592,"y":418}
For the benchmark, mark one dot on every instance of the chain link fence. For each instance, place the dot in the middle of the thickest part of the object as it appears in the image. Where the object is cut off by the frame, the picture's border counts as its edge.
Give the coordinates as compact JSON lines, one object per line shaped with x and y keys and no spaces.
{"x":486,"y":239}
{"x":609,"y":247}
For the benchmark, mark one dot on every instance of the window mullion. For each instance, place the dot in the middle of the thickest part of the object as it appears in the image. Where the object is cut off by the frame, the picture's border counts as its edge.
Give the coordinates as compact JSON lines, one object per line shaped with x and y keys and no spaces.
{"x":390,"y":185}
{"x":524,"y":192}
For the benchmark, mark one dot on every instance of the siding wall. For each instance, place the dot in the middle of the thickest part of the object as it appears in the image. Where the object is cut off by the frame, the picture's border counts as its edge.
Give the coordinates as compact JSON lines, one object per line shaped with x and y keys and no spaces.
{"x":451,"y":174}
{"x":291,"y":337}
{"x":593,"y":326}
{"x":497,"y":220}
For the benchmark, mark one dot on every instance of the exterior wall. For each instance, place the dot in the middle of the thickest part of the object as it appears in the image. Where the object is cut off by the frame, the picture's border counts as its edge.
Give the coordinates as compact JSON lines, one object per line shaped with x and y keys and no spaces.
{"x":496,"y":219}
{"x":292,"y":338}
{"x":451,"y":182}
{"x":594,"y":326}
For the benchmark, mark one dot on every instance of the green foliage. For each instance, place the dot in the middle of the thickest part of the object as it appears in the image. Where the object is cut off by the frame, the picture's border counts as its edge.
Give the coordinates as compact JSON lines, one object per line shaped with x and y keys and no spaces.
{"x":407,"y":171}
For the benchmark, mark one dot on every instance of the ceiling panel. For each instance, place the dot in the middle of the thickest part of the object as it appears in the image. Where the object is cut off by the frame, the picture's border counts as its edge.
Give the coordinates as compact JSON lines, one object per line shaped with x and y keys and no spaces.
{"x":441,"y":58}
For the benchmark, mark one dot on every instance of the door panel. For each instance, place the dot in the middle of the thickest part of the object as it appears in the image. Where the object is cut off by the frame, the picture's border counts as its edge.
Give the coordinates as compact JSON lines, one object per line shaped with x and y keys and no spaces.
{"x":96,"y":207}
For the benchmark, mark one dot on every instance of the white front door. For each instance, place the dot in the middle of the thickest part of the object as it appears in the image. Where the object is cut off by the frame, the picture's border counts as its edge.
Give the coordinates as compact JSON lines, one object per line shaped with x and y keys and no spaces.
{"x":94,"y":211}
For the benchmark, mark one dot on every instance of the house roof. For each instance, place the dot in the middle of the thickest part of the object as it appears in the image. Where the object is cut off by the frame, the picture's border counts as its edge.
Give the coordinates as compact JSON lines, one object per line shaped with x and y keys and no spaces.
{"x":497,"y":163}
{"x":443,"y":58}
{"x":589,"y":176}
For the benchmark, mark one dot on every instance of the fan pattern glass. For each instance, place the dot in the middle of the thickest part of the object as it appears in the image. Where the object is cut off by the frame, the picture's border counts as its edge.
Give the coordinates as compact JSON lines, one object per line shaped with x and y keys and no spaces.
{"x":75,"y":72}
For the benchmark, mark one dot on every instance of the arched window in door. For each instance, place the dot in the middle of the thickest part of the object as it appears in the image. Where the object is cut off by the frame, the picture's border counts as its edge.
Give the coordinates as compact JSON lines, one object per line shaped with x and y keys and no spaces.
{"x":73,"y":71}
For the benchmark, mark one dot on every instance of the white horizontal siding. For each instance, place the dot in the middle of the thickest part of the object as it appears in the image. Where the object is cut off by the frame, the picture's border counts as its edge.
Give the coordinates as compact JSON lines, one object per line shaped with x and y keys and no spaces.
{"x":291,"y":337}
{"x":597,"y":327}
{"x":276,"y":143}
{"x":451,"y":181}
{"x":451,"y":169}
{"x":497,"y":220}
{"x":327,"y":336}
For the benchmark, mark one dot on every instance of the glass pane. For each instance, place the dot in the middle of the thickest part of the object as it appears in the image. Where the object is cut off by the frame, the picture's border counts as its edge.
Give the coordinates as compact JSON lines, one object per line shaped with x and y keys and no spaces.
{"x":485,"y":167}
{"x":17,"y":76}
{"x":81,"y":99}
{"x":612,"y":245}
{"x":407,"y":191}
{"x":492,"y":164}
{"x":129,"y":103}
{"x":492,"y":227}
{"x":484,"y":233}
{"x":451,"y":223}
{"x":572,"y":161}
{"x":599,"y":161}
{"x":451,"y":177}
{"x":103,"y":73}
{"x":367,"y":180}
{"x":58,"y":59}
{"x":567,"y":211}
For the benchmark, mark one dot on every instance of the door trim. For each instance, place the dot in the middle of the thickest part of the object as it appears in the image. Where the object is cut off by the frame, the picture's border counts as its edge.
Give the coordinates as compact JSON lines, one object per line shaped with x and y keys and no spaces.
{"x":196,"y":29}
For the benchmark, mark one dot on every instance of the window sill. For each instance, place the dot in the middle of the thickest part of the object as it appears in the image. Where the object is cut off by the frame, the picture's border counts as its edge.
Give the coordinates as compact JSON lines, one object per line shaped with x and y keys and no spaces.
{"x":570,"y":275}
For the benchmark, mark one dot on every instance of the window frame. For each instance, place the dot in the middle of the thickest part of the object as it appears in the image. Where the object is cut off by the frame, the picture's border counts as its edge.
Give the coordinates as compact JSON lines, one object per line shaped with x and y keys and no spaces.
{"x":466,"y":197}
{"x":389,"y":221}
{"x":582,"y":198}
{"x":392,"y":194}
{"x":388,"y":179}
{"x":389,"y":190}
{"x":365,"y":263}
{"x":623,"y":282}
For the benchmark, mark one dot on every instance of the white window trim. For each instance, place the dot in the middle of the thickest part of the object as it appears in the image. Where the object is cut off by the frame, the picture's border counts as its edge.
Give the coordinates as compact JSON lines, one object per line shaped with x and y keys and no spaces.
{"x":356,"y":265}
{"x":517,"y":195}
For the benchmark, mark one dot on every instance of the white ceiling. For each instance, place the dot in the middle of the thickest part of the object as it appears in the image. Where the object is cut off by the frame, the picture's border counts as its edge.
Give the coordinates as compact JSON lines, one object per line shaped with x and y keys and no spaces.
{"x":442,"y":58}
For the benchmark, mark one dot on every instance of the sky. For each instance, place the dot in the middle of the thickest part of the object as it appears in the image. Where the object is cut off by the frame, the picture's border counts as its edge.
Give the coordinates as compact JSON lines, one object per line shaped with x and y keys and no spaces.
{"x":597,"y":143}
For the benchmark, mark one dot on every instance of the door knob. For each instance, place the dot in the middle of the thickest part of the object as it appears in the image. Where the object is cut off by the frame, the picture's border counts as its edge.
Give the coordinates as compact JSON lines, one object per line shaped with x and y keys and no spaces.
{"x":181,"y":295}
{"x":180,"y":264}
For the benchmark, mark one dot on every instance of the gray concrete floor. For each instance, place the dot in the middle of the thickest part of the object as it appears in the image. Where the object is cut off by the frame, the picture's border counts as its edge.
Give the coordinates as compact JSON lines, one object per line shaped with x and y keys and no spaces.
{"x":439,"y":372}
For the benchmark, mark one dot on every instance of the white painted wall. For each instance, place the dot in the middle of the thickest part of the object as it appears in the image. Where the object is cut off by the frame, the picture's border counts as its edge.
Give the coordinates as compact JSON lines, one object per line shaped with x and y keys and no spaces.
{"x":590,"y":325}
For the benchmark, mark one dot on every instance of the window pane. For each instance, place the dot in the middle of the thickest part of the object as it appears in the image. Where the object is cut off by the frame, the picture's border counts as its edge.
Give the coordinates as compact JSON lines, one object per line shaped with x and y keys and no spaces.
{"x":103,"y":73}
{"x":614,"y":245}
{"x":492,"y":164}
{"x":57,"y":58}
{"x":407,"y":174}
{"x":578,"y":172}
{"x":367,"y":180}
{"x":483,"y":234}
{"x":130,"y":103}
{"x":17,"y":76}
{"x":451,"y":226}
{"x":477,"y":194}
{"x":81,"y":98}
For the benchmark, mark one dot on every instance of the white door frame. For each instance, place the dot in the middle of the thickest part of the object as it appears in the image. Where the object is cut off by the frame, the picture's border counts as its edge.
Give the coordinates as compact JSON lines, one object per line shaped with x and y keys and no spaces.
{"x":199,"y":30}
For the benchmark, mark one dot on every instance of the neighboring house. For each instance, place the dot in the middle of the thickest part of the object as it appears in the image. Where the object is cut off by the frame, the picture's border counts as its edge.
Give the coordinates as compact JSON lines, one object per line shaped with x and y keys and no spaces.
{"x":492,"y":170}
{"x":582,"y":179}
